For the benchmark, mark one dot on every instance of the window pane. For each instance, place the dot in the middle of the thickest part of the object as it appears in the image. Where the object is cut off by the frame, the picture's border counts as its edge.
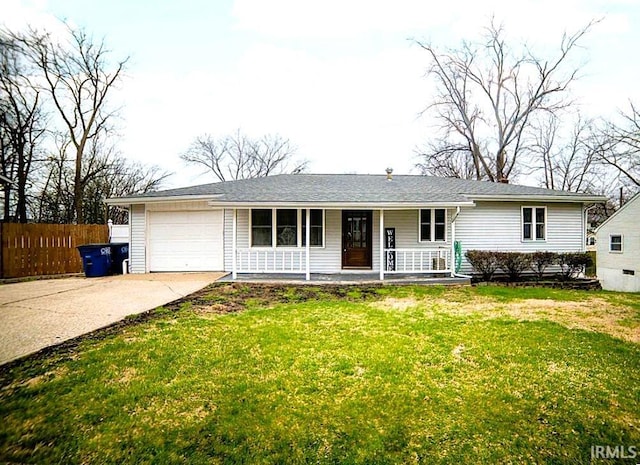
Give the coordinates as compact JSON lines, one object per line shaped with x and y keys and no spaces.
{"x":425,"y":225}
{"x":616,"y":244}
{"x":540,"y":215}
{"x":261,"y":237}
{"x":261,"y":217}
{"x":287,"y":227}
{"x":261,"y":227}
{"x":527,"y":215}
{"x":425,"y":232}
{"x":440,"y":224}
{"x":316,"y":228}
{"x":316,"y":236}
{"x":316,"y":218}
{"x":539,"y":231}
{"x":527,"y":231}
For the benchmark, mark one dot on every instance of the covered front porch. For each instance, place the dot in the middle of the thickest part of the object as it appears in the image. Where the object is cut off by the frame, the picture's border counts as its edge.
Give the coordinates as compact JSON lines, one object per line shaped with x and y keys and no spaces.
{"x":338,"y":245}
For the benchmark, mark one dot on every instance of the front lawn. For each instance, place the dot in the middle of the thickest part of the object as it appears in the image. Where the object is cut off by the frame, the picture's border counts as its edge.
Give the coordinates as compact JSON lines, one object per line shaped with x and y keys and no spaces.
{"x":261,"y":374}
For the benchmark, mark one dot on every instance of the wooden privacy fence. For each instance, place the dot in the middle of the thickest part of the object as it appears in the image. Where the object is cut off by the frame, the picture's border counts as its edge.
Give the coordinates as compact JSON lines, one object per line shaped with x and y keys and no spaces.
{"x":46,"y":249}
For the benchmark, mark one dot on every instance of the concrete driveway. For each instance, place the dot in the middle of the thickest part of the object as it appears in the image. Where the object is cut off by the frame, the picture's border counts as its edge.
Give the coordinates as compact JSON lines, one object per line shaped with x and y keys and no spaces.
{"x":38,"y":314}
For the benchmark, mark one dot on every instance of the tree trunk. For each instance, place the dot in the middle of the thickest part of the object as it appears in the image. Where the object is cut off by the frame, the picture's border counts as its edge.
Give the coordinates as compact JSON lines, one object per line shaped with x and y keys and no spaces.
{"x":78,"y":188}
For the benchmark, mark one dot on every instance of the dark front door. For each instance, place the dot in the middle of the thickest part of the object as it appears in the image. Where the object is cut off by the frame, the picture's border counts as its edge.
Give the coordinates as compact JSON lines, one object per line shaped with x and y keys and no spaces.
{"x":356,"y":239}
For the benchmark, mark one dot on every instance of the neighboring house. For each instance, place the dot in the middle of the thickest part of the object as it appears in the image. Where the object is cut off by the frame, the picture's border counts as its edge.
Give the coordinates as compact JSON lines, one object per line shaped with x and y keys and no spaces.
{"x":618,"y":249}
{"x":308,"y":223}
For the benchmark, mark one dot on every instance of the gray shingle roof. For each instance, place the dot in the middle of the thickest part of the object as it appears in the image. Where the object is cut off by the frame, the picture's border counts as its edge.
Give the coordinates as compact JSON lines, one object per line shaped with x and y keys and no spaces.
{"x":355,"y":189}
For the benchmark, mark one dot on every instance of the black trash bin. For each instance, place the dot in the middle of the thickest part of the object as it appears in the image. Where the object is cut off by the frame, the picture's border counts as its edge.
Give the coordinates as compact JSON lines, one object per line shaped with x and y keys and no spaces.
{"x":96,"y":259}
{"x":119,"y":253}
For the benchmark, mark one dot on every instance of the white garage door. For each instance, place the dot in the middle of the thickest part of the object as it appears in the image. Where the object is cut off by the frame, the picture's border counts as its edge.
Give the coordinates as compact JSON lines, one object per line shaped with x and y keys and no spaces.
{"x":186,"y":241}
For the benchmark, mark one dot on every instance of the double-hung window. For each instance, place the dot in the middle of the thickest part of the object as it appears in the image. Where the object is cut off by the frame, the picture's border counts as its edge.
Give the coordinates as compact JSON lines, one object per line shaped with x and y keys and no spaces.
{"x":282,"y":227}
{"x":316,"y":231}
{"x":615,"y":243}
{"x":286,"y":228}
{"x":433,"y":225}
{"x":261,"y":228}
{"x":534,"y":223}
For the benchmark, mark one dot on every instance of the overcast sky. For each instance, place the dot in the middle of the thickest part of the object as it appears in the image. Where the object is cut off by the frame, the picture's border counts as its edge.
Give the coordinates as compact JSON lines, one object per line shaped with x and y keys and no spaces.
{"x":341,"y":79}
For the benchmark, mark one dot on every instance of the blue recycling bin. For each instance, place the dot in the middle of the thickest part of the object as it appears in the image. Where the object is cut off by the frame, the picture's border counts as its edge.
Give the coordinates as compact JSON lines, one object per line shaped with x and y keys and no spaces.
{"x":119,"y":253}
{"x":96,"y":259}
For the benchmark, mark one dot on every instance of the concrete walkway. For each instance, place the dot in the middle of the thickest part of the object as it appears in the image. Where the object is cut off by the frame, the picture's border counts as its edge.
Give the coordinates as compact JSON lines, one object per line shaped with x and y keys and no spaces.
{"x":38,"y":314}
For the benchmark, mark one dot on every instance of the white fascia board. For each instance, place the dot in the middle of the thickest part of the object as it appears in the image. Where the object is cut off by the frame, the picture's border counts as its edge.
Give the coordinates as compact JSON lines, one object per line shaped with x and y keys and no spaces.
{"x":342,"y":206}
{"x":142,"y":200}
{"x":540,"y":198}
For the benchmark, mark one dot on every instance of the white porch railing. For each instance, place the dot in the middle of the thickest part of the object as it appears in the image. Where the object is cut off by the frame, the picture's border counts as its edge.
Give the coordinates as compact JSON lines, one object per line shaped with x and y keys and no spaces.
{"x":271,"y":260}
{"x":417,"y":260}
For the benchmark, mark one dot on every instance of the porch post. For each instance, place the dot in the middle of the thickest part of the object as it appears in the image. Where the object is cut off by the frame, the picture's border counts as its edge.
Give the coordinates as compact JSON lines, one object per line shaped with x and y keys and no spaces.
{"x":382,"y":260}
{"x":307,"y":238}
{"x":452,"y":260}
{"x":234,"y":245}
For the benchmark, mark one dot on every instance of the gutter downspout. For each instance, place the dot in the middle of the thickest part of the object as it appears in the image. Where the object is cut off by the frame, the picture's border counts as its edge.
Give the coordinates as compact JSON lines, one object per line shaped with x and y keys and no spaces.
{"x":584,"y":228}
{"x":454,"y":274}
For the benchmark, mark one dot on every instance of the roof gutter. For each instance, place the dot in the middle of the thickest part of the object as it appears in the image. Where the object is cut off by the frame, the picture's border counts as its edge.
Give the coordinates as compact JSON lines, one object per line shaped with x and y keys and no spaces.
{"x":539,"y":198}
{"x":341,"y":205}
{"x":123,"y":201}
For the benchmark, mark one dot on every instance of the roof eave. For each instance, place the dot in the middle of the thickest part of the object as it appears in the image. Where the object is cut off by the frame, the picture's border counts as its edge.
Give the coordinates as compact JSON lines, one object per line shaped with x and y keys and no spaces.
{"x":122,"y":201}
{"x":340,"y":205}
{"x":538,"y":198}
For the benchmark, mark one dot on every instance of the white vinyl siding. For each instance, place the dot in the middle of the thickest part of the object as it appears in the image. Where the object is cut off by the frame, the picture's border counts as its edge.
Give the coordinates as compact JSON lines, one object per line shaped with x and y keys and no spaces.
{"x":406,"y":224}
{"x":228,"y":239}
{"x":137,"y":247}
{"x":498,"y":226}
{"x":620,"y":270}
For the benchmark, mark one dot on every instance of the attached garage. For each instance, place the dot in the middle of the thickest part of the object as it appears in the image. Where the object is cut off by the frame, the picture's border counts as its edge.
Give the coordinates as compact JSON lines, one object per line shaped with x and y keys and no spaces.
{"x":185,"y":240}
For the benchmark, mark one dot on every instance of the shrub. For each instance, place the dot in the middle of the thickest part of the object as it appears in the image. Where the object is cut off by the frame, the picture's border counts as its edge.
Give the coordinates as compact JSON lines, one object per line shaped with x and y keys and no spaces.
{"x":513,"y":263}
{"x":483,"y":261}
{"x":540,"y":261}
{"x":572,"y":263}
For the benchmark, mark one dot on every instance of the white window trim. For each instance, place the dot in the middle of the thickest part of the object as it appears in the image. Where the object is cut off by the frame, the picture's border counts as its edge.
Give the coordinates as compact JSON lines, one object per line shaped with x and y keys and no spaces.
{"x":533,"y":223}
{"x":621,"y":243}
{"x":433,"y":226}
{"x":274,"y":229}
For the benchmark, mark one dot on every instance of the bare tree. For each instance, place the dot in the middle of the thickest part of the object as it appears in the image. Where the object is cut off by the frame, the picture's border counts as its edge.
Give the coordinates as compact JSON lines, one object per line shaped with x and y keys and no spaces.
{"x":21,"y":127}
{"x":107,"y":174}
{"x":486,"y":96}
{"x":78,"y":77}
{"x":239,"y":156}
{"x":567,"y":159}
{"x":619,"y":146}
{"x":448,"y":161}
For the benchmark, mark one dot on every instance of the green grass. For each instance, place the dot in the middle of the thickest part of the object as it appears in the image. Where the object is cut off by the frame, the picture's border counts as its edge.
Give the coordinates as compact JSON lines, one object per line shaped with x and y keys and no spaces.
{"x":370,"y":375}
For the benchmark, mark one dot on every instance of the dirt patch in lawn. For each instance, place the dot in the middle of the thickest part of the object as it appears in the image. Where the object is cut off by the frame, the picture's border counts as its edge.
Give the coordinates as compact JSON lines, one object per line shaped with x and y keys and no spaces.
{"x":234,"y":297}
{"x":591,"y":314}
